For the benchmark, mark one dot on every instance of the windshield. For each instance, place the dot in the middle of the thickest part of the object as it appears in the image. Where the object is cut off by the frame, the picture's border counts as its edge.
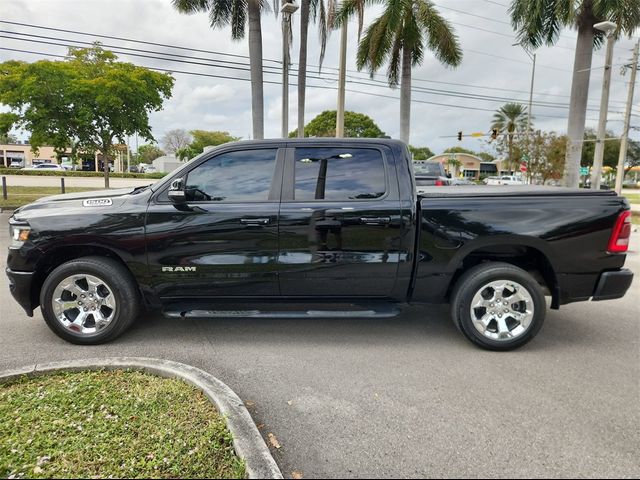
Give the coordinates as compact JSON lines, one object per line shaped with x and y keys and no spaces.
{"x":428,"y":168}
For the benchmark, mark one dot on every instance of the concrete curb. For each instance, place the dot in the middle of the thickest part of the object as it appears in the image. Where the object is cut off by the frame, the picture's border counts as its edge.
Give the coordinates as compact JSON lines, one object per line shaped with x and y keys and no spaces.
{"x":247,"y":441}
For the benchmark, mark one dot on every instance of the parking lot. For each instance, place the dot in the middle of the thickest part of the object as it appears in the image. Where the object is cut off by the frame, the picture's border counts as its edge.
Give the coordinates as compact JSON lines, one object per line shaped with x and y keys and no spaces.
{"x":406,"y":396}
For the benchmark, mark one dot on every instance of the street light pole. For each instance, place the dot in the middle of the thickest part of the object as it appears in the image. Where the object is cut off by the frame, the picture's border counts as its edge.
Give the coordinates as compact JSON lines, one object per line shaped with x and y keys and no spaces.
{"x":608,"y":28}
{"x":288,"y":8}
{"x":627,"y":118}
{"x":342,"y":74}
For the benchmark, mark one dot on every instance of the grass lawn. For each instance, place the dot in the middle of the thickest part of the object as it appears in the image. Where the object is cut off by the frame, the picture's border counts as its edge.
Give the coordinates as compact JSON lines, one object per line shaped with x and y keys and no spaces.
{"x":18,"y":196}
{"x":112,"y":424}
{"x":633,"y":197}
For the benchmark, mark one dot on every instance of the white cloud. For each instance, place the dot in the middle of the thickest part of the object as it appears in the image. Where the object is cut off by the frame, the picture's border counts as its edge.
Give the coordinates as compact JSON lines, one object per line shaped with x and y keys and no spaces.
{"x":224,"y":103}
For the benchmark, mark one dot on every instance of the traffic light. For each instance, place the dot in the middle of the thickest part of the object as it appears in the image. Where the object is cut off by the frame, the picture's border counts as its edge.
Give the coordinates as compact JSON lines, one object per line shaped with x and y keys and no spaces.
{"x":494,"y":134}
{"x":459,"y":136}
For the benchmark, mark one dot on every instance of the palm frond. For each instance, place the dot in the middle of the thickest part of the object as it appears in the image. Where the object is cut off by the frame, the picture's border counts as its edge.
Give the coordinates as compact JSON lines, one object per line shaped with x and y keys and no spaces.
{"x":191,"y":6}
{"x":441,"y":39}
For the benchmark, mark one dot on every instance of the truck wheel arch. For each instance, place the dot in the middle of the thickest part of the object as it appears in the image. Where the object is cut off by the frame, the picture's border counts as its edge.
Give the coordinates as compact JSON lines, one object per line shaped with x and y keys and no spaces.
{"x":63,"y":254}
{"x":527,"y":253}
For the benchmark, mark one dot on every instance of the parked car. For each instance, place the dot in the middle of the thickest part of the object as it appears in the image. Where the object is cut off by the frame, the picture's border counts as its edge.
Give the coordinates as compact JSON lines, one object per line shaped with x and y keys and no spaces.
{"x":504,"y":180}
{"x":16,"y":163}
{"x":428,"y":174}
{"x":460,"y":181}
{"x":329,"y":227}
{"x":53,"y":167}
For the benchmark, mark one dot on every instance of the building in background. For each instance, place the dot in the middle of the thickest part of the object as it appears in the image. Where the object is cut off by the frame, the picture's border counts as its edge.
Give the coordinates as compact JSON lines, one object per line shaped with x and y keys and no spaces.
{"x":470,"y":166}
{"x":167,"y":163}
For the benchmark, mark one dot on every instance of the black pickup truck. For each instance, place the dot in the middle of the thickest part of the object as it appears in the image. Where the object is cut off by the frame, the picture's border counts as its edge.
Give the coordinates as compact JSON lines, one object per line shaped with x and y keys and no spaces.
{"x":315,"y":228}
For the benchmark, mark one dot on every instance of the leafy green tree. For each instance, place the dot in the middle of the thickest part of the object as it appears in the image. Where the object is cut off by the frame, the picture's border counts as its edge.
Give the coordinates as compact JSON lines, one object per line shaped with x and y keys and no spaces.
{"x":202,"y":139}
{"x":509,"y":120}
{"x":237,"y":14}
{"x":421,"y":153}
{"x":611,"y":149}
{"x":356,"y":125}
{"x":86,"y":102}
{"x":459,"y":150}
{"x":8,"y":138}
{"x":148,"y":153}
{"x":399,"y":38}
{"x":485,"y":156}
{"x":539,"y":22}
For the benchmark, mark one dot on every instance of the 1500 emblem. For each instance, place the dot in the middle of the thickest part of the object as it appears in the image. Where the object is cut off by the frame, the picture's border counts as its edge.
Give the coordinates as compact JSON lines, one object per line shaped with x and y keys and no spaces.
{"x":97,"y":202}
{"x":179,"y":269}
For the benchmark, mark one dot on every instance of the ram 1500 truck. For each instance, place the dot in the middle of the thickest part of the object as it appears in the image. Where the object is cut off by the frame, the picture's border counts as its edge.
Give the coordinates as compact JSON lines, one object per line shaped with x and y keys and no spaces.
{"x":315,"y":228}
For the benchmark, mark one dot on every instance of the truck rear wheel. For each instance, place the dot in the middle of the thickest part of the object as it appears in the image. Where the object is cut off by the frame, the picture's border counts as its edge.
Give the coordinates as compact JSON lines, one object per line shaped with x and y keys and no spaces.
{"x":89,"y":300}
{"x":498,"y":306}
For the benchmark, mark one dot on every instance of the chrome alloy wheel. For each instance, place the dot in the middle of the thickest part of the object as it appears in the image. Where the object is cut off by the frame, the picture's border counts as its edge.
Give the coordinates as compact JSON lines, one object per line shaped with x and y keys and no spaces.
{"x":502,"y":310}
{"x":84,"y":304}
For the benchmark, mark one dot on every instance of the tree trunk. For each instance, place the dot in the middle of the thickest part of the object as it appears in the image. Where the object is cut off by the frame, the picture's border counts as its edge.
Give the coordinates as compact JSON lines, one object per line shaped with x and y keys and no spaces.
{"x":405,"y":96}
{"x":510,"y":141}
{"x":302,"y":64}
{"x":255,"y":61}
{"x":105,"y":168}
{"x":578,"y":103}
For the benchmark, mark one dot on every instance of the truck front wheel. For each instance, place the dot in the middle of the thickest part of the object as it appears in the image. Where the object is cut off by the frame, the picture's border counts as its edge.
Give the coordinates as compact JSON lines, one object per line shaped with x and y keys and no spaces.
{"x":89,"y":300}
{"x":498,"y":306}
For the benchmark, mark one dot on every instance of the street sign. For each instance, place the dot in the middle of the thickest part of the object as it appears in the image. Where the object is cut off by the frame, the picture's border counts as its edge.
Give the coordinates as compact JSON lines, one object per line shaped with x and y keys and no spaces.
{"x":523,"y":167}
{"x":584,"y":171}
{"x":477,"y":134}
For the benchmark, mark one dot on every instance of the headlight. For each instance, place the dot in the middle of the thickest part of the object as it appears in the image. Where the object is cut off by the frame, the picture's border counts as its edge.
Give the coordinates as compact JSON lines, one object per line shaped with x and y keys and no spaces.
{"x":19,"y":234}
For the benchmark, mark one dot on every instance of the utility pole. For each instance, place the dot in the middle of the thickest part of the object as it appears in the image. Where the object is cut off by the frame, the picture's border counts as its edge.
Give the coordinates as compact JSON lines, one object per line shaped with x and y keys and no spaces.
{"x":533,"y":76}
{"x":627,"y":118}
{"x":342,"y":74}
{"x":288,"y":8}
{"x":596,"y":173}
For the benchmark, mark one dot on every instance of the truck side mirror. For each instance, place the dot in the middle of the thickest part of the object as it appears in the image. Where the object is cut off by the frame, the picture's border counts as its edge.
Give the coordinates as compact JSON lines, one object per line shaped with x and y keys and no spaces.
{"x":176,"y":191}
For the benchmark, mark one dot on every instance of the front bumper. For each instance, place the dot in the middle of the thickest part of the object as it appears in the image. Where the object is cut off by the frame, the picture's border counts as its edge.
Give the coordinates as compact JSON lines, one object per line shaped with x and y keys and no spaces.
{"x":20,"y":288}
{"x":613,"y":284}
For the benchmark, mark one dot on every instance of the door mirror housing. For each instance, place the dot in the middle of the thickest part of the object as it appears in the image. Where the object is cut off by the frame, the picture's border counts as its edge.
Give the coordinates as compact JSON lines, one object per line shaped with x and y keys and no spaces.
{"x":176,"y":191}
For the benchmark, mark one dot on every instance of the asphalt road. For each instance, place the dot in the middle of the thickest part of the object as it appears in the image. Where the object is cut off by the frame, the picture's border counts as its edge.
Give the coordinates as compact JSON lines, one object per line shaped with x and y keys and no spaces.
{"x":405,"y":397}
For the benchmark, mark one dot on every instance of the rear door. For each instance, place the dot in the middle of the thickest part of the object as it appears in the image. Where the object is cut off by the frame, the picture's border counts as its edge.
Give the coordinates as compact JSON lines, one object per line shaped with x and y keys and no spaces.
{"x":340,"y":226}
{"x":224,"y":241}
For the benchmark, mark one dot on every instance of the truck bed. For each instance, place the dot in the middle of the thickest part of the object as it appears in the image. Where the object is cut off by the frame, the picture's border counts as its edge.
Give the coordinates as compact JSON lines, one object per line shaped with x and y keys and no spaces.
{"x":508,"y":191}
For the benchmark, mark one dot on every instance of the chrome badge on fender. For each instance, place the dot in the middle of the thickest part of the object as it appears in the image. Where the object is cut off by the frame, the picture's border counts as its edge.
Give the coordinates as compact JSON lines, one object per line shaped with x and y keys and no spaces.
{"x":97,"y":202}
{"x":179,"y":269}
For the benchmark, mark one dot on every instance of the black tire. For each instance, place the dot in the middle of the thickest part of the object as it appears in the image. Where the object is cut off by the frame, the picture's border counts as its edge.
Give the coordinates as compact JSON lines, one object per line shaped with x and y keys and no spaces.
{"x":472,"y":281}
{"x":119,"y":281}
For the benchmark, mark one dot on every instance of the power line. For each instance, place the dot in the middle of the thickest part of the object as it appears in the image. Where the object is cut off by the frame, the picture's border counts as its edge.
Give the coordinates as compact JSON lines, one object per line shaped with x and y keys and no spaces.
{"x":239,"y":66}
{"x":325,"y":87}
{"x":213,"y":52}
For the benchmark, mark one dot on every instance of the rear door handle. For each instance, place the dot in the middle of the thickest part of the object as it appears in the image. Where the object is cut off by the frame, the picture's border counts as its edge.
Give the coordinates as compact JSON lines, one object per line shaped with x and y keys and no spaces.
{"x":255,"y":221}
{"x":375,"y":220}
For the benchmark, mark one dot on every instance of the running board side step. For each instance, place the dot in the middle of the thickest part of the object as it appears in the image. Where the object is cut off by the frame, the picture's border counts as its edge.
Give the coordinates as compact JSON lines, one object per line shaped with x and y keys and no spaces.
{"x":386,"y":312}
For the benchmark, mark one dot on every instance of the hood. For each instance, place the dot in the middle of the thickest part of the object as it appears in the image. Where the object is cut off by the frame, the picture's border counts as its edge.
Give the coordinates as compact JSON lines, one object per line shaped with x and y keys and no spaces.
{"x":98,"y":201}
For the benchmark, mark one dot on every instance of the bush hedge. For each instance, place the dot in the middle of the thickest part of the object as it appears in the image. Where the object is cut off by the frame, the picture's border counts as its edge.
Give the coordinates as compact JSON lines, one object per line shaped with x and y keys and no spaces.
{"x":78,"y":173}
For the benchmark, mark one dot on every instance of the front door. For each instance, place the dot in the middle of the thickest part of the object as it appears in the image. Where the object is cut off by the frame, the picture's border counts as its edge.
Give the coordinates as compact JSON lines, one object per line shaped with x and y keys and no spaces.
{"x":224,"y":241}
{"x":340,"y":228}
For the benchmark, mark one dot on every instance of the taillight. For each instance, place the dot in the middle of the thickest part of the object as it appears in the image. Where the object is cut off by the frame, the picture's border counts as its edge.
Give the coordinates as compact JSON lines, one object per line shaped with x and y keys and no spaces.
{"x":439,"y":183}
{"x":619,"y":241}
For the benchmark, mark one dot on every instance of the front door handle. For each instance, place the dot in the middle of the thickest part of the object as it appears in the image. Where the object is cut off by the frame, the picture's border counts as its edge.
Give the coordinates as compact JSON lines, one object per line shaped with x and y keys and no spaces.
{"x":254,"y":222}
{"x":375,"y":220}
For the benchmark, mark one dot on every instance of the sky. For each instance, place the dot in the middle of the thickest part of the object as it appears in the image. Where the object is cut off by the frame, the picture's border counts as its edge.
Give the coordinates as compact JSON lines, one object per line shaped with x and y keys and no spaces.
{"x":491,"y":66}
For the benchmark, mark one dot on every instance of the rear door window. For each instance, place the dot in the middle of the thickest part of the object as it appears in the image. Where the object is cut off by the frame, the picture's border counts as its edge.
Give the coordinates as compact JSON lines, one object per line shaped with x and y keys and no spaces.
{"x":339,"y":174}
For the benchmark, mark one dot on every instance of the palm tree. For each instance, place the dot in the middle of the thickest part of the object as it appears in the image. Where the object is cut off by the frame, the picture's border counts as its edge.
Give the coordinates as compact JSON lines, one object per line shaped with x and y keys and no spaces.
{"x":236,"y":13}
{"x":317,"y":11}
{"x":510,"y":119}
{"x":399,"y":36}
{"x":539,"y":22}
